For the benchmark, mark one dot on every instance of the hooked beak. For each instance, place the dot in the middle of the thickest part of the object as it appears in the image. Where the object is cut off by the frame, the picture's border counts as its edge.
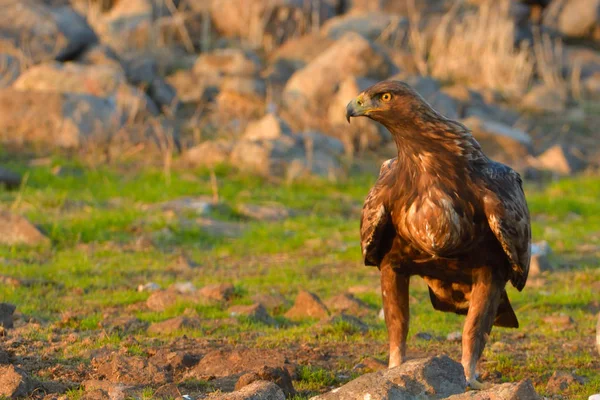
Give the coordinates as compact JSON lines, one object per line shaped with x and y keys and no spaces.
{"x":358,"y":107}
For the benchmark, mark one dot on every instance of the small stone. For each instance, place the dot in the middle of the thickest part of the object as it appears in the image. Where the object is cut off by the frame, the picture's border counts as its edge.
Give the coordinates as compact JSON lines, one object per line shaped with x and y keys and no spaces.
{"x":307,"y":305}
{"x":161,"y":300}
{"x":183,"y":287}
{"x":6,"y":315}
{"x":10,"y":179}
{"x":173,"y":325}
{"x":454,"y":336}
{"x":271,"y":301}
{"x":256,"y":390}
{"x":381,"y":315}
{"x":255,"y":311}
{"x":280,"y":376}
{"x":148,"y":287}
{"x":424,"y":336}
{"x":561,"y":381}
{"x":348,"y":304}
{"x":559,"y":321}
{"x":217,"y":292}
{"x":14,"y":382}
{"x":16,"y":230}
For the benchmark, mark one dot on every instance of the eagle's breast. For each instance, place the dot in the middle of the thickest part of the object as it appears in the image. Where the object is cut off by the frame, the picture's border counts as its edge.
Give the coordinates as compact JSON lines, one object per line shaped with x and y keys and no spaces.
{"x":436,"y":223}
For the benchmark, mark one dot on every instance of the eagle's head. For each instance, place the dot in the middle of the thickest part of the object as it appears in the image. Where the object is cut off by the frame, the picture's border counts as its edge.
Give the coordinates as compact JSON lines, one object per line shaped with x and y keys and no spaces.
{"x":391,"y":103}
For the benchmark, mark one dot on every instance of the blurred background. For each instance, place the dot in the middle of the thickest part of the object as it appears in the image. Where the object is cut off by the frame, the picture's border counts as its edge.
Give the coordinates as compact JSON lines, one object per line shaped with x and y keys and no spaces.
{"x":181,"y":187}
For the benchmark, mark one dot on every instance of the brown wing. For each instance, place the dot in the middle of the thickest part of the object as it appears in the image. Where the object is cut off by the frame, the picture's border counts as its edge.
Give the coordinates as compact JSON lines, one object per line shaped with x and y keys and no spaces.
{"x":508,"y":217}
{"x":376,"y":229}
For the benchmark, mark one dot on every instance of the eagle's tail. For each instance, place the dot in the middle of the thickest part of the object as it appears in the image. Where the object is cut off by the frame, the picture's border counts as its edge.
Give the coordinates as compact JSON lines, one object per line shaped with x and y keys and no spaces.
{"x":506,"y":316}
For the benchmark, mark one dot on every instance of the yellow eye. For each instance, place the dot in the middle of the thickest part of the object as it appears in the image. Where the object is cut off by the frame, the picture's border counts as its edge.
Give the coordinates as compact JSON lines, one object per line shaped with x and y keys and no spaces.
{"x":386,"y":97}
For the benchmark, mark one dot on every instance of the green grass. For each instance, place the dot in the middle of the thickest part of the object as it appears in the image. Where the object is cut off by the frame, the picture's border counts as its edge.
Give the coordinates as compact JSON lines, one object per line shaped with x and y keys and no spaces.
{"x":107,"y":237}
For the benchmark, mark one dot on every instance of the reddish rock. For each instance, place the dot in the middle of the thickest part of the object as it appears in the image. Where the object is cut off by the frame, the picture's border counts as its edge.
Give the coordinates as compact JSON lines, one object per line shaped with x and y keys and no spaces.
{"x":173,"y":325}
{"x":348,"y":304}
{"x":254,"y":311}
{"x":307,"y":305}
{"x":217,"y":292}
{"x":280,"y":376}
{"x":14,"y":382}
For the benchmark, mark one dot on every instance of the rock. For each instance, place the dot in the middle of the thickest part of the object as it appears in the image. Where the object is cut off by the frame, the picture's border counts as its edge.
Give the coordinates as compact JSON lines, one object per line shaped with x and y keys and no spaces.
{"x":348,"y":304}
{"x":227,"y":62}
{"x":454,"y":336}
{"x":507,"y":391}
{"x":445,"y":105}
{"x":130,"y":370}
{"x":434,"y":377}
{"x":101,"y":54}
{"x":215,"y":227}
{"x":280,"y":376}
{"x":255,"y":312}
{"x":96,"y":389}
{"x":264,"y":212}
{"x":267,"y":128}
{"x":217,"y":292}
{"x":174,"y":325}
{"x":351,"y":55}
{"x":176,"y":360}
{"x":252,"y":87}
{"x":381,"y":315}
{"x":190,"y":88}
{"x":560,"y":381}
{"x":124,"y":324}
{"x":222,"y":363}
{"x":183,"y":287}
{"x":371,"y":25}
{"x":161,"y":300}
{"x":148,"y":287}
{"x":16,"y":230}
{"x":307,"y":305}
{"x":559,"y":321}
{"x":297,"y":52}
{"x":424,"y":336}
{"x":14,"y":383}
{"x":540,"y":259}
{"x":499,"y":141}
{"x":574,"y":18}
{"x":544,"y":99}
{"x":199,"y":205}
{"x":562,"y":159}
{"x":10,"y":179}
{"x":271,"y":301}
{"x":209,"y":153}
{"x":4,"y":357}
{"x":270,"y":23}
{"x":55,"y":119}
{"x":257,"y":390}
{"x":48,"y":33}
{"x":362,"y":133}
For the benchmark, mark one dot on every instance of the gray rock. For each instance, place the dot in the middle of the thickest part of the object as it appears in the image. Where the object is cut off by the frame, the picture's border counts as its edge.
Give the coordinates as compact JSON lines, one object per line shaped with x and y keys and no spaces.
{"x":264,"y":212}
{"x":267,"y":128}
{"x":560,"y":381}
{"x":454,"y":336}
{"x":227,"y":62}
{"x":10,"y":179}
{"x":434,"y":377}
{"x":10,"y":69}
{"x":255,"y":312}
{"x":148,"y":287}
{"x":48,"y":33}
{"x":523,"y":390}
{"x":16,"y":230}
{"x":369,"y":25}
{"x":444,"y":104}
{"x":540,"y":259}
{"x":6,"y":315}
{"x":200,"y":205}
{"x":257,"y":390}
{"x":14,"y":383}
{"x":351,"y":55}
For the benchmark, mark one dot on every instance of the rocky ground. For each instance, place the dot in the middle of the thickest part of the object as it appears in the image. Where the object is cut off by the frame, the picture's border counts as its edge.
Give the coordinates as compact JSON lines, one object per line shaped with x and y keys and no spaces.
{"x":182,"y":193}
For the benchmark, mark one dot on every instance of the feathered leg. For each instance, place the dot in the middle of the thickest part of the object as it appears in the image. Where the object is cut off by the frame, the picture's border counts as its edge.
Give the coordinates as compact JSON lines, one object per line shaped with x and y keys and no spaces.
{"x":485,"y":298}
{"x":394,"y":289}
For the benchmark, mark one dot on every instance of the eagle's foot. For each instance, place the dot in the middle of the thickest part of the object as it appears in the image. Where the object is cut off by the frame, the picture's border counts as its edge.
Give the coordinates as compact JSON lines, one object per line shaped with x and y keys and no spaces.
{"x":474,"y":384}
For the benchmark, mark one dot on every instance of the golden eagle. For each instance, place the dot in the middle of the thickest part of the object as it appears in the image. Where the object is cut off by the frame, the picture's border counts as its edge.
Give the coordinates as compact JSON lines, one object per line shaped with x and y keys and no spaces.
{"x":442,"y":210}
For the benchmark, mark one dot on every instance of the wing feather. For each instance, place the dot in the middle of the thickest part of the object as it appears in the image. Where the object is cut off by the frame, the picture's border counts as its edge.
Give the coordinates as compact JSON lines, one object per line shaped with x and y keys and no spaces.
{"x":508,"y":217}
{"x":376,"y":229}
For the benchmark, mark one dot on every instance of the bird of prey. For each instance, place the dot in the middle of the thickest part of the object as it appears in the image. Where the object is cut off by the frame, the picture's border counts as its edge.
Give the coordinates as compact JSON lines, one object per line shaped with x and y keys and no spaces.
{"x":446,"y":212}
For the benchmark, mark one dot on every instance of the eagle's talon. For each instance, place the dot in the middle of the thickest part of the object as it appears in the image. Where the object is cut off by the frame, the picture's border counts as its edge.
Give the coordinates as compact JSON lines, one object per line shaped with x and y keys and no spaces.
{"x":474,"y":384}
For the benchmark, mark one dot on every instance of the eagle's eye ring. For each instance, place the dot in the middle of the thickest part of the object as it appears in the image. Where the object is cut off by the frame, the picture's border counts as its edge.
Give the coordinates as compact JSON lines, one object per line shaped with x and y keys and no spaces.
{"x":386,"y":97}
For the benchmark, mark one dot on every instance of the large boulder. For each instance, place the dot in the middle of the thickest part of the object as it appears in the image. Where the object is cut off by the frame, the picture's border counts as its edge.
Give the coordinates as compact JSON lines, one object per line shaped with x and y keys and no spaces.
{"x":433,"y":377}
{"x":574,"y":18}
{"x":268,"y":23}
{"x":313,"y":86}
{"x":48,"y":33}
{"x":96,"y":80}
{"x":371,"y":26}
{"x":56,"y":119}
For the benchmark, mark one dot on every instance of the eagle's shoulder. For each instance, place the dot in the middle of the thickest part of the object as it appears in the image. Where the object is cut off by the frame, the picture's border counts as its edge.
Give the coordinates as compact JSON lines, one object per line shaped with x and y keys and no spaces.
{"x":375,"y":220}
